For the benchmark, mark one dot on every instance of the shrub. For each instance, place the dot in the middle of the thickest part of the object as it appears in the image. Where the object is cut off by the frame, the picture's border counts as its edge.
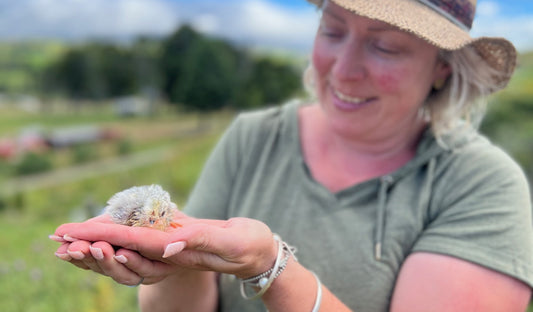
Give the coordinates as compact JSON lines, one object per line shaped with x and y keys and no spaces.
{"x":33,"y":163}
{"x":83,"y":153}
{"x":124,"y":147}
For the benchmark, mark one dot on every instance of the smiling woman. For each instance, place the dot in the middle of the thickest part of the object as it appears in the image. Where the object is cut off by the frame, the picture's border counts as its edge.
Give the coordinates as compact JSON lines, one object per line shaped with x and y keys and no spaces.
{"x":393,"y":199}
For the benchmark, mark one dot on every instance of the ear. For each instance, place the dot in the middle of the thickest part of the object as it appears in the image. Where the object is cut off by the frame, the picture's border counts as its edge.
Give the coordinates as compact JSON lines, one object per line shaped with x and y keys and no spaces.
{"x":442,"y":71}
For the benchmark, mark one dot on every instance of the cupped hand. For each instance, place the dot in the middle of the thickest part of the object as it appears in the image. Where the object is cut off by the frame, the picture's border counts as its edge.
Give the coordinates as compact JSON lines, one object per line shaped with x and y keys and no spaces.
{"x":123,"y":265}
{"x":240,"y":246}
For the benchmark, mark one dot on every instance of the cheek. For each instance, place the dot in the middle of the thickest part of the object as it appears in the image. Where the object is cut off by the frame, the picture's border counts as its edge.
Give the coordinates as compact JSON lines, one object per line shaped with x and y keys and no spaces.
{"x":400,"y":80}
{"x":391,"y":80}
{"x":321,"y":60}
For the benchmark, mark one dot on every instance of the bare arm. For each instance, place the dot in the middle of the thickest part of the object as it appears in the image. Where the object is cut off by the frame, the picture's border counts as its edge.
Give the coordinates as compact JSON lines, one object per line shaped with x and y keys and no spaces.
{"x":432,"y":282}
{"x":190,"y":291}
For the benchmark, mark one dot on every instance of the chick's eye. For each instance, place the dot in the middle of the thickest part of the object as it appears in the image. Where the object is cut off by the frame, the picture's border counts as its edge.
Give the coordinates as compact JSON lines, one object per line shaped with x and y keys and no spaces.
{"x":152,"y":221}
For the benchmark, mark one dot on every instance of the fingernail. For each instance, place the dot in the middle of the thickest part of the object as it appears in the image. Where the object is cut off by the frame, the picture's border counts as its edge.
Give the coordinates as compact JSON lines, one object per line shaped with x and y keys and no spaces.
{"x":78,"y":255}
{"x":68,"y":238}
{"x":97,"y":253}
{"x":56,"y":238}
{"x":122,"y":259}
{"x":173,"y":249}
{"x":63,"y":256}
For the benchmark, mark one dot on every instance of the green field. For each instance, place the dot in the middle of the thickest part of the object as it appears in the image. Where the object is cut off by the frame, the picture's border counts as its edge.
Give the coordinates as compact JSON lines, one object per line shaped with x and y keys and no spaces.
{"x":173,"y":148}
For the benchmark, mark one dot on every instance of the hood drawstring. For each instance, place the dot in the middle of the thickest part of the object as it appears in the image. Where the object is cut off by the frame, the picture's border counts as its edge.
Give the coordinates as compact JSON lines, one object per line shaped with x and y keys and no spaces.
{"x":425,"y":192}
{"x":386,"y":182}
{"x":381,"y":212}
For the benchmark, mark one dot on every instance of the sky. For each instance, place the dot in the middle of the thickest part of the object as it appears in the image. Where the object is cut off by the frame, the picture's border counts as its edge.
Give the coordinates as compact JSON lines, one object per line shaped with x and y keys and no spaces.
{"x":268,"y":24}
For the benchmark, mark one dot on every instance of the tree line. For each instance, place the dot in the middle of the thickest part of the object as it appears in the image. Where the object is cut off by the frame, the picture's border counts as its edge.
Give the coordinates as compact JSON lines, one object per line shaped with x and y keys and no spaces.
{"x":186,"y":68}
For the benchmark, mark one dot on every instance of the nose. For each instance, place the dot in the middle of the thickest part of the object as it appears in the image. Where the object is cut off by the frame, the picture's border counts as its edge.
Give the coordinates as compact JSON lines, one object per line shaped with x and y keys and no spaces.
{"x":350,"y":61}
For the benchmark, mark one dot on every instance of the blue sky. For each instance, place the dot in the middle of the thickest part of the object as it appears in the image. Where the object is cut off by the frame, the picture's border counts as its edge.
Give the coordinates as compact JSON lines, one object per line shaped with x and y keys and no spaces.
{"x":271,"y":24}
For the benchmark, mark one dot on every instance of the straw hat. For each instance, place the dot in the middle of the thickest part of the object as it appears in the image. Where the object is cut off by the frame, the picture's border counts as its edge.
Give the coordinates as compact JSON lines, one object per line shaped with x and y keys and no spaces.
{"x":443,"y":23}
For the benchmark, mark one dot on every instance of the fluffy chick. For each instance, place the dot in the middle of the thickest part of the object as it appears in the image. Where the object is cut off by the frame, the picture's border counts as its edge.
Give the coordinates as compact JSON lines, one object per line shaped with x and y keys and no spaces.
{"x":147,"y":205}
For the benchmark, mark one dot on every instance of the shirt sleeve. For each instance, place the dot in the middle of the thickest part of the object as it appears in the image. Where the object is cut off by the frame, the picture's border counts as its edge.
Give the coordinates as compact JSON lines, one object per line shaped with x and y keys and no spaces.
{"x":481,"y":212}
{"x":212,"y":190}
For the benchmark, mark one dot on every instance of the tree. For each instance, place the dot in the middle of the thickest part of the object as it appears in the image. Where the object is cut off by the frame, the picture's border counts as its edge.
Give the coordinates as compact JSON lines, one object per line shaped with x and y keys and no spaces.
{"x":174,"y":52}
{"x":269,"y":82}
{"x":210,"y":75}
{"x":95,"y":71}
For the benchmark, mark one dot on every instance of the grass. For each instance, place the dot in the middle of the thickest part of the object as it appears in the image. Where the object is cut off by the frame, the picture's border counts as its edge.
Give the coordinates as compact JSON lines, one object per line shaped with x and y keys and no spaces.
{"x":32,"y":278}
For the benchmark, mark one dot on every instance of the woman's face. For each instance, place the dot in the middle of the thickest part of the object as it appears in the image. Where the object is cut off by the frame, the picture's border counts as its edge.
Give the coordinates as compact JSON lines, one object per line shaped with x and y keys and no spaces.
{"x":371,"y":78}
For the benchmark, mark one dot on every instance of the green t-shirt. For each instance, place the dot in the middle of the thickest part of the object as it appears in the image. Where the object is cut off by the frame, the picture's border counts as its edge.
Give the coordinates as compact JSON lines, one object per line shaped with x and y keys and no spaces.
{"x":469,"y":200}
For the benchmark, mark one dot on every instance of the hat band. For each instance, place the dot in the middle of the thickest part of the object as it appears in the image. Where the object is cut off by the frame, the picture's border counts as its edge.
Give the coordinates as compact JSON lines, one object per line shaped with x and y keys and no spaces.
{"x":461,"y":14}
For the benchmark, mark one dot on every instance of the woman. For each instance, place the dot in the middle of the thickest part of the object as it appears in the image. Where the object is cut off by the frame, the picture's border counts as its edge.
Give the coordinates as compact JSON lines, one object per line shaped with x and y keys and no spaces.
{"x":392,"y":198}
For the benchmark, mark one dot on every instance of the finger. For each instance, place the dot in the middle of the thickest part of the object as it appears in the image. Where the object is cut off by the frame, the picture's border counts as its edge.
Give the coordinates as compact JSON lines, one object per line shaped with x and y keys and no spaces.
{"x":223,"y":237}
{"x":105,"y":257}
{"x":115,"y":234}
{"x":149,"y":242}
{"x":182,"y":220}
{"x":79,"y":250}
{"x":62,"y":254}
{"x":81,"y":253}
{"x":152,"y":271}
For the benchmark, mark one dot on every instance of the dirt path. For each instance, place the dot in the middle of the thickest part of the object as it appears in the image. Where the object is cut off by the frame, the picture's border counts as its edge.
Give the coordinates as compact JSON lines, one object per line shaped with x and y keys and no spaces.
{"x":96,"y":168}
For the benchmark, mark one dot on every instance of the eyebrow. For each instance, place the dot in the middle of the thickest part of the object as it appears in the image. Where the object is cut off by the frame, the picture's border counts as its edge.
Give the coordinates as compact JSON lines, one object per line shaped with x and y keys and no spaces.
{"x":329,"y":12}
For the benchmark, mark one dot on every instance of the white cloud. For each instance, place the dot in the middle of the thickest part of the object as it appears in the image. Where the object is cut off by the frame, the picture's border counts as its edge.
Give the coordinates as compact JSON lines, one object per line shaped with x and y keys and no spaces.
{"x":255,"y":22}
{"x":78,"y":19}
{"x":487,"y":9}
{"x":206,"y":23}
{"x":251,"y":22}
{"x":273,"y":22}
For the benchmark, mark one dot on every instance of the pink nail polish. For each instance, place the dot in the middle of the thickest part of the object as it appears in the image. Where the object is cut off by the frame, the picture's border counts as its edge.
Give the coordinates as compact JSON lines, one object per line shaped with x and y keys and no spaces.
{"x":68,"y":238}
{"x":97,"y":253}
{"x":63,"y":256}
{"x":173,"y":249}
{"x":56,"y":238}
{"x":78,"y":255}
{"x":122,"y":259}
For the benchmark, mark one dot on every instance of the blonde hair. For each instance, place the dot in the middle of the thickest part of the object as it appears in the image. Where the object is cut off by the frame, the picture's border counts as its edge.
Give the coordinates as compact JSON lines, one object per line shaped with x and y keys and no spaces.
{"x":463,"y":98}
{"x":464,"y":95}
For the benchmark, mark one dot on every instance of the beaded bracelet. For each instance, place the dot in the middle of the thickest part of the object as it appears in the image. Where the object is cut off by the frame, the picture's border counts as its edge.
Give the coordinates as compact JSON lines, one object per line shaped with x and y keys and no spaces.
{"x":265,"y":279}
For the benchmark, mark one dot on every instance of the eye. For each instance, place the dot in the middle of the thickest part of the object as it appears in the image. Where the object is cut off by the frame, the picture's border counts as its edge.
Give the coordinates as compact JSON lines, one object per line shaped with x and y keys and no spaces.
{"x":152,"y":221}
{"x":330,"y":32}
{"x":387,"y":44}
{"x":385,"y":50}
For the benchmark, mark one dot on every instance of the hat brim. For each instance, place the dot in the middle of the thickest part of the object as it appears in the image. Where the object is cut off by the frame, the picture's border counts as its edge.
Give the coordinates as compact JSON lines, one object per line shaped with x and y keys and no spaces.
{"x":426,"y":23}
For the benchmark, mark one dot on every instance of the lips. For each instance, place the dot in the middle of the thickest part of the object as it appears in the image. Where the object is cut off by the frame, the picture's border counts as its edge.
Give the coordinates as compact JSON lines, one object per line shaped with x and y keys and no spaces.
{"x":346,"y":102}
